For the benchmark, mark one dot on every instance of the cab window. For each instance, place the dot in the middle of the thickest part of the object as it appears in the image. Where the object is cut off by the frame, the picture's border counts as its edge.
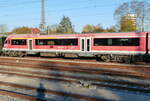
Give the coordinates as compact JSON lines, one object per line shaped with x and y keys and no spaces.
{"x":19,"y":42}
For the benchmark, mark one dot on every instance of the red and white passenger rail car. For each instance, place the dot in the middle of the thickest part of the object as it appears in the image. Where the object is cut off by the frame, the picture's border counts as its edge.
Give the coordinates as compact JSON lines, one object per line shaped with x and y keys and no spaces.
{"x":106,"y":46}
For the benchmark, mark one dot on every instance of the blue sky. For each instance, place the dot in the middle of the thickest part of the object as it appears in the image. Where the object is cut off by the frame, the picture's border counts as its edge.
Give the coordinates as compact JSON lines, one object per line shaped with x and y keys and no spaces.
{"x":15,"y":13}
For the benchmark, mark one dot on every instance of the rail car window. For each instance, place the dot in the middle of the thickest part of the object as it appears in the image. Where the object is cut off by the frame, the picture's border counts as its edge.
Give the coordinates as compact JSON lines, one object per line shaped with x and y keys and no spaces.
{"x":19,"y":42}
{"x":66,"y":42}
{"x":7,"y":42}
{"x":116,"y":42}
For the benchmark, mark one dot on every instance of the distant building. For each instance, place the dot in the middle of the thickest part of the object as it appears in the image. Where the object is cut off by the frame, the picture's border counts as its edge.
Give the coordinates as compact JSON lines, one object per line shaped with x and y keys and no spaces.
{"x":131,"y":17}
{"x":35,"y":31}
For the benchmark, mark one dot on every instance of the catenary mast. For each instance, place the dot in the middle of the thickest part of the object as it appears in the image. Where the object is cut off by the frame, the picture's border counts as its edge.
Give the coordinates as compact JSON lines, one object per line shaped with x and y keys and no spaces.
{"x":42,"y":24}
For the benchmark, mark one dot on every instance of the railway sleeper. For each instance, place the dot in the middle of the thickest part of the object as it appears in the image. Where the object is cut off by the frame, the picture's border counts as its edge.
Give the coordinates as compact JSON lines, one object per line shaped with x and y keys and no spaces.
{"x":20,"y":95}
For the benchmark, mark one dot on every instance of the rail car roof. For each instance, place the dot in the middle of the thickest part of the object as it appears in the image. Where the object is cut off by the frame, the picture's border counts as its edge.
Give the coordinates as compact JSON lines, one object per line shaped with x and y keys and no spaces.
{"x":55,"y":36}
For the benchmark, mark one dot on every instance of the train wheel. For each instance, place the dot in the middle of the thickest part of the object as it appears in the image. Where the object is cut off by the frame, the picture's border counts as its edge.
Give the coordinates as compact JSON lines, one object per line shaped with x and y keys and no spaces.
{"x":119,"y":59}
{"x":15,"y":54}
{"x":3,"y":54}
{"x":7,"y":53}
{"x":11,"y":54}
{"x":106,"y":58}
{"x":128,"y":60}
{"x":21,"y":54}
{"x":146,"y":58}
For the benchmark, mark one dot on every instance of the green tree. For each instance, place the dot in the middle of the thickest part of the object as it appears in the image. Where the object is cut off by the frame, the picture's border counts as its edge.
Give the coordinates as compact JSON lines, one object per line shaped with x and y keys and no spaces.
{"x":92,"y":29}
{"x":127,"y":25}
{"x":22,"y":30}
{"x":65,"y":26}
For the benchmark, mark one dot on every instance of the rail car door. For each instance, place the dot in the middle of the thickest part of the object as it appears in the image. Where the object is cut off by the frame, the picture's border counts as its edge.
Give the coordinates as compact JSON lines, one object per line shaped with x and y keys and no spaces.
{"x":30,"y":44}
{"x":85,"y":44}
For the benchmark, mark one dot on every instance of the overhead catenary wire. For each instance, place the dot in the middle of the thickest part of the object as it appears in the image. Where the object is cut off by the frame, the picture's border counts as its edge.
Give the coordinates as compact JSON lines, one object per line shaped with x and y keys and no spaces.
{"x":83,"y":6}
{"x":71,"y":9}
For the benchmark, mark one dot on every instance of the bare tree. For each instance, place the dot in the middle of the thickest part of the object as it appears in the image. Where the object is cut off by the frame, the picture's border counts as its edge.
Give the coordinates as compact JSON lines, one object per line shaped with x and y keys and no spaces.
{"x":53,"y":29}
{"x":3,"y":28}
{"x":140,"y":8}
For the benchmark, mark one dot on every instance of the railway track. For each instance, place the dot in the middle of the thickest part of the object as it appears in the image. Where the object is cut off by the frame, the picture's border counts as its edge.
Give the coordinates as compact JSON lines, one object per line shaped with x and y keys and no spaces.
{"x":123,"y":85}
{"x":34,"y":98}
{"x":65,"y":73}
{"x":143,"y":74}
{"x":20,"y":96}
{"x":81,"y":63}
{"x":70,"y":77}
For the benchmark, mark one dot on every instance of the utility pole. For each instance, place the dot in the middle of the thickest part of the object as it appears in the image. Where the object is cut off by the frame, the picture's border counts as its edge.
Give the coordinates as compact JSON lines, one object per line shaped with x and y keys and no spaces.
{"x":143,"y":16}
{"x":42,"y":24}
